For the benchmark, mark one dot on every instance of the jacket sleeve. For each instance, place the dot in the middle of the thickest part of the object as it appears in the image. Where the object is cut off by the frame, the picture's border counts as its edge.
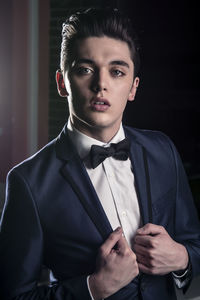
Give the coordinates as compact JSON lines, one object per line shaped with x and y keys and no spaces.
{"x":187,"y":226}
{"x":21,"y":250}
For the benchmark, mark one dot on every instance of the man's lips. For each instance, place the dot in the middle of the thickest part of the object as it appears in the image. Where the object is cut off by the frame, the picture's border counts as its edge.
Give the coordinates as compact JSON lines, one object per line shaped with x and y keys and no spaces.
{"x":99,"y":104}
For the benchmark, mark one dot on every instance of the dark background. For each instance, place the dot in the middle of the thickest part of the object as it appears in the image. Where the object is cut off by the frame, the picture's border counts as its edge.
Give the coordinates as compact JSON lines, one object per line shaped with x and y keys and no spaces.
{"x":168,"y":96}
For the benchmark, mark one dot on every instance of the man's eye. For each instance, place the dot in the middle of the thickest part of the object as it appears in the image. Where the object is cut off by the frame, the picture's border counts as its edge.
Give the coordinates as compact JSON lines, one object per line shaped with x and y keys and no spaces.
{"x":83,"y":71}
{"x":117,"y":73}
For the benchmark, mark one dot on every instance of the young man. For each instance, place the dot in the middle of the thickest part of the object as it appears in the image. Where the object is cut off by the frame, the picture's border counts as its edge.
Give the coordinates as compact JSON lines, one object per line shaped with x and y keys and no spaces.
{"x":106,"y":208}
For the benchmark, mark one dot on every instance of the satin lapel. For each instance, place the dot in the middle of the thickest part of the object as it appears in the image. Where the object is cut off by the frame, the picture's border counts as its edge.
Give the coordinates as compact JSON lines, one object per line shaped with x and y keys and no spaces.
{"x":142,"y":181}
{"x":75,"y":173}
{"x":77,"y":176}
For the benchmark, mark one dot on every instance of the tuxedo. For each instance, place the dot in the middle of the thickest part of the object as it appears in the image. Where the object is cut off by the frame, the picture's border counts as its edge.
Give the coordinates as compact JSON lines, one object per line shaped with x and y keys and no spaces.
{"x":53,"y":217}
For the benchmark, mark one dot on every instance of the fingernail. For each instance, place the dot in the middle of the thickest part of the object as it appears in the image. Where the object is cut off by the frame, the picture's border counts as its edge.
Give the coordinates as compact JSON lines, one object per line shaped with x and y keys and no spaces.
{"x":117,"y":229}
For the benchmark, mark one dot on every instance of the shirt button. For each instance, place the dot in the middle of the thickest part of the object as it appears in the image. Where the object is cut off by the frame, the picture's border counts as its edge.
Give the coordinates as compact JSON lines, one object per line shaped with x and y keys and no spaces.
{"x":110,"y":175}
{"x":124,"y":214}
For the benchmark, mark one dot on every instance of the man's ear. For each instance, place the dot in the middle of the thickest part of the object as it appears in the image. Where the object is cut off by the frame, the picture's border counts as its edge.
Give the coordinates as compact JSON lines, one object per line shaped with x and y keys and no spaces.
{"x":134,"y":89}
{"x":61,"y":84}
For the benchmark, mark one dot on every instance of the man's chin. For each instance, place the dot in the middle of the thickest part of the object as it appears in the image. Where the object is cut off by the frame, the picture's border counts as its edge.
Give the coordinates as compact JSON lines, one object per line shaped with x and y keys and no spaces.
{"x":96,"y":123}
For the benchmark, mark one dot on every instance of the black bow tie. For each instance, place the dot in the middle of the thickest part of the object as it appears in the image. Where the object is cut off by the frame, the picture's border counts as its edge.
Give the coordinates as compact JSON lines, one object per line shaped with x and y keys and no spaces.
{"x":119,"y":151}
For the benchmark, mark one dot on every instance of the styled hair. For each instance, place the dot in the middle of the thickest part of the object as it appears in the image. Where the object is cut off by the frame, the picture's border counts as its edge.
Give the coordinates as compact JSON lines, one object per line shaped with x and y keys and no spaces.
{"x":96,"y":22}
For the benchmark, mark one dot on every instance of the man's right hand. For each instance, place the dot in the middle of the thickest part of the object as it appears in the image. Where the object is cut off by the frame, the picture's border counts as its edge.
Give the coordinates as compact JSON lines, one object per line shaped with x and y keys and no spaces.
{"x":116,"y":266}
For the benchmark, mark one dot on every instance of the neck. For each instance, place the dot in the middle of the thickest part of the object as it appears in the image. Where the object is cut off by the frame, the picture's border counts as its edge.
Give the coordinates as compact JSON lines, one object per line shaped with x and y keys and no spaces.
{"x":103,"y":134}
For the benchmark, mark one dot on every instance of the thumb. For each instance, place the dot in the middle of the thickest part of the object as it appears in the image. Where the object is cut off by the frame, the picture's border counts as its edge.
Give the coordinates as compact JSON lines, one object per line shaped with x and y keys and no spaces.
{"x":150,"y":229}
{"x":112,"y":240}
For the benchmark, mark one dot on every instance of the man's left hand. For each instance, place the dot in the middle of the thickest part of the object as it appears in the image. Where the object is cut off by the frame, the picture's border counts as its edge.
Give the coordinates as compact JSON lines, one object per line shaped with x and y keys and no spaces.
{"x":157,"y":253}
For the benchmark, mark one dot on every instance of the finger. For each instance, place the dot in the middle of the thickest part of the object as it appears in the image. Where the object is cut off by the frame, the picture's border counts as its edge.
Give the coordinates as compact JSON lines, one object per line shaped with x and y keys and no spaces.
{"x":111,"y":241}
{"x":143,"y":240}
{"x":140,"y":250}
{"x":122,"y":244}
{"x":145,"y":269}
{"x":150,"y":229}
{"x":143,"y":260}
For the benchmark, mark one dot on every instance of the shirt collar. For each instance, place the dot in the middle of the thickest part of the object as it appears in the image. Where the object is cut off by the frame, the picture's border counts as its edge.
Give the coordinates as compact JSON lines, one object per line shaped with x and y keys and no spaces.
{"x":83,"y":143}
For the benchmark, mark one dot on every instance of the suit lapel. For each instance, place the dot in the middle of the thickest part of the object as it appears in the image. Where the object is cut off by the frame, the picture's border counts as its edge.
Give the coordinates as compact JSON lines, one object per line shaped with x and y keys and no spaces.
{"x":142,"y":181}
{"x":75,"y":173}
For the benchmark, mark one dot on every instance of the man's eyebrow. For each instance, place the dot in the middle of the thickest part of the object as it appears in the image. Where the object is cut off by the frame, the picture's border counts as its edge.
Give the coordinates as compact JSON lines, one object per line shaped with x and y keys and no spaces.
{"x":83,"y":61}
{"x":120,"y":63}
{"x":91,"y":62}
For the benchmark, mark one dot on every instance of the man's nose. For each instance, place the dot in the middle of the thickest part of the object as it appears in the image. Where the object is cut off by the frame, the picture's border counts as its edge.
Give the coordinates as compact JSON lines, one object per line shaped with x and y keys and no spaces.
{"x":100,"y":82}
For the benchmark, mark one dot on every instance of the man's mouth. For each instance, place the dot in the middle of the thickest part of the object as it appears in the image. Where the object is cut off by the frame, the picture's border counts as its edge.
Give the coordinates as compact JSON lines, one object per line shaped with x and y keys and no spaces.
{"x":99,"y":104}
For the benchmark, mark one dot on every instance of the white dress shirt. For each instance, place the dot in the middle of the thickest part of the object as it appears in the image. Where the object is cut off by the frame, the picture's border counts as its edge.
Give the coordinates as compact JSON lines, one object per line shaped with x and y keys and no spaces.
{"x":113,"y":181}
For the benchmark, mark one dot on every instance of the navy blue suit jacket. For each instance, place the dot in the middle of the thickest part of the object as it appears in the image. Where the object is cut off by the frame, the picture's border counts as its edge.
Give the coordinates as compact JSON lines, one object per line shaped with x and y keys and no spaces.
{"x":53,"y":217}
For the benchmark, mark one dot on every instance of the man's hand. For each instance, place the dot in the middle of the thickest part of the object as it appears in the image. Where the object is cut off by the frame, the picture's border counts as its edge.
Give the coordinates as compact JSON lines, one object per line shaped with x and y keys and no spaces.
{"x":157,"y":253}
{"x":116,"y":266}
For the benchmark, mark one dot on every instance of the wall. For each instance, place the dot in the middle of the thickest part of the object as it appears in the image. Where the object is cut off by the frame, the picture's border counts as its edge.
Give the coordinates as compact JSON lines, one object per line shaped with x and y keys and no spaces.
{"x":24,"y":80}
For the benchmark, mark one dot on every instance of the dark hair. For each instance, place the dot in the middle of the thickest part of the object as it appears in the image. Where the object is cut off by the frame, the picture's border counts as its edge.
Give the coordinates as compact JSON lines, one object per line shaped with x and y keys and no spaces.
{"x":96,"y":22}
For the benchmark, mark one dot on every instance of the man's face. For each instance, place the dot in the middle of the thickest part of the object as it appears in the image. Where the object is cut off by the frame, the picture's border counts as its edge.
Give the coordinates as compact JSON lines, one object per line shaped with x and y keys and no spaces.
{"x":98,"y":83}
